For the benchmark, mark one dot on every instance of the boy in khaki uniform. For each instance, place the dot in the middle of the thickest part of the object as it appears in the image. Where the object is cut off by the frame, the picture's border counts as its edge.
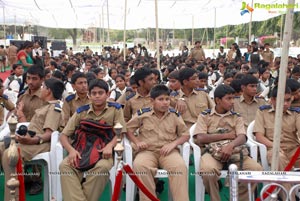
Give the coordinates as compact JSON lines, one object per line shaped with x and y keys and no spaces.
{"x":161,"y":130}
{"x":30,"y":98}
{"x":206,"y":132}
{"x":289,"y":140}
{"x":190,"y":101}
{"x":144,"y":78}
{"x":247,"y":104}
{"x":97,"y":176}
{"x":74,"y":101}
{"x":44,"y":122}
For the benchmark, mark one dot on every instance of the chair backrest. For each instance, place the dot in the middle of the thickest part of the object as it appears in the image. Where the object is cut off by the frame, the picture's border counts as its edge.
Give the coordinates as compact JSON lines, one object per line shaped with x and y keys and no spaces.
{"x":250,"y":135}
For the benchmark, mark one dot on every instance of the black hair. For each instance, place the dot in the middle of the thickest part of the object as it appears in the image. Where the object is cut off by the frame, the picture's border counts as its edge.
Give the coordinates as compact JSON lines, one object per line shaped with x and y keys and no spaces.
{"x":96,"y":70}
{"x":36,"y":70}
{"x":132,"y":80}
{"x":56,"y":86}
{"x":69,"y":68}
{"x":236,"y":85}
{"x":186,"y":73}
{"x":111,"y":69}
{"x":228,"y":74}
{"x":249,"y":79}
{"x":157,"y":73}
{"x":296,"y":69}
{"x":58,"y":74}
{"x":293,"y":84}
{"x":120,"y":76}
{"x":90,"y":76}
{"x":141,"y":74}
{"x":174,"y":75}
{"x":252,"y":71}
{"x":53,"y":63}
{"x":98,"y":83}
{"x":159,"y":90}
{"x":15,"y":66}
{"x":262,"y":70}
{"x":275,"y":90}
{"x":77,"y":75}
{"x":203,"y":75}
{"x":222,"y":90}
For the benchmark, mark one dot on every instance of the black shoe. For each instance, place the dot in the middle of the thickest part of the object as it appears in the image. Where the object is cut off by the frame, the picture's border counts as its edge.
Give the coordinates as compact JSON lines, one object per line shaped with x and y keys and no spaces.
{"x":35,"y":188}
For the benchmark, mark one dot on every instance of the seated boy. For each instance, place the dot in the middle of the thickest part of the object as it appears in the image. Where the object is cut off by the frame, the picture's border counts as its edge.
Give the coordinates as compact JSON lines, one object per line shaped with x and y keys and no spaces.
{"x":73,"y":186}
{"x":161,"y":130}
{"x":46,"y":120}
{"x":221,"y":125}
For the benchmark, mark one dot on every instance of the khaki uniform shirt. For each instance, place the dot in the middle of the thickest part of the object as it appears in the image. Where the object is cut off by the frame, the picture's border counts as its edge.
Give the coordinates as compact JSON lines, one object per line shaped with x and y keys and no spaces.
{"x":198,"y":54}
{"x":135,"y":103}
{"x":247,"y":111}
{"x":264,"y":123}
{"x":70,"y":105}
{"x":110,"y":114}
{"x":31,"y":103}
{"x":196,"y":102}
{"x":12,"y":51}
{"x":209,"y":122}
{"x":268,"y":56}
{"x":5,"y":103}
{"x":48,"y":116}
{"x":156,"y":132}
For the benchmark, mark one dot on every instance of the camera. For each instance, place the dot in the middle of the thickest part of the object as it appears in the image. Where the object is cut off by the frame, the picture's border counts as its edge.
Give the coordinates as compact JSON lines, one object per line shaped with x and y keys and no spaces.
{"x":23,"y":130}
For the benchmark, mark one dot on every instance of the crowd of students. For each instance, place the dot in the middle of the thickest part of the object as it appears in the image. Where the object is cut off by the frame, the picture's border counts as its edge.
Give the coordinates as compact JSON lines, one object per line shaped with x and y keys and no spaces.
{"x":156,"y":109}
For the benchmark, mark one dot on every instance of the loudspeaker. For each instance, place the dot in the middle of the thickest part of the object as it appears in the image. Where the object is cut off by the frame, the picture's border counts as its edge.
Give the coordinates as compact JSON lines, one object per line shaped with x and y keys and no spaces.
{"x":59,"y":45}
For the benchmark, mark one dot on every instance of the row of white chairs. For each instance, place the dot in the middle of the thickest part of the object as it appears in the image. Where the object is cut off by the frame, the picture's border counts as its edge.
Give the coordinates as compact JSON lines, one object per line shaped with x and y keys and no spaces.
{"x":52,"y":159}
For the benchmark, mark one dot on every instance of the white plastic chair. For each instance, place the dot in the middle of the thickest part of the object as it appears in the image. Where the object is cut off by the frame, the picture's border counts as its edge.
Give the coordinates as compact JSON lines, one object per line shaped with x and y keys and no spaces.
{"x":4,"y":123}
{"x":59,"y":156}
{"x":161,"y":173}
{"x":262,"y":147}
{"x":47,"y":160}
{"x":199,"y":186}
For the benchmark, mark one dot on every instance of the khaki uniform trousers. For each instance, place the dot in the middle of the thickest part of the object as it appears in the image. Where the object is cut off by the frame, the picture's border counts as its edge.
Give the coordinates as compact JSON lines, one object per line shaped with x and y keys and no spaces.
{"x":90,"y":190}
{"x":27,"y":153}
{"x":145,"y":166}
{"x":12,"y":60}
{"x":284,"y":159}
{"x":213,"y":166}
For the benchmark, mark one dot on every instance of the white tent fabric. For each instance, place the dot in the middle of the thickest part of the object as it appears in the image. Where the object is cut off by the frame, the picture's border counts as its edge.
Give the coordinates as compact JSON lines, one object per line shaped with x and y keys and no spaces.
{"x":173,"y":14}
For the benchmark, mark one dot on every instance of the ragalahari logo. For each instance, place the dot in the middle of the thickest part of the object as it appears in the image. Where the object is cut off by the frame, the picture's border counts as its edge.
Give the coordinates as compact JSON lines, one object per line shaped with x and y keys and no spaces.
{"x":246,"y":8}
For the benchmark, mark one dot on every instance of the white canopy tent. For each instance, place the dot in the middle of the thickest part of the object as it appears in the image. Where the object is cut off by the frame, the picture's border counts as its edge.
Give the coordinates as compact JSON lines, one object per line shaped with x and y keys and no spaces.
{"x":173,"y":14}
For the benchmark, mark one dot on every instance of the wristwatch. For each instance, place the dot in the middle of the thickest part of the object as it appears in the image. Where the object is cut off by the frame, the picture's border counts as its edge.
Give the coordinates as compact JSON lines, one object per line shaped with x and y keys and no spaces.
{"x":181,"y":99}
{"x":41,"y":141}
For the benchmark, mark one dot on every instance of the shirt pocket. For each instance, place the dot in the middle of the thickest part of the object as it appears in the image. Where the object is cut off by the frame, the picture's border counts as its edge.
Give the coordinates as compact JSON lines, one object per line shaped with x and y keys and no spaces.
{"x":170,"y":134}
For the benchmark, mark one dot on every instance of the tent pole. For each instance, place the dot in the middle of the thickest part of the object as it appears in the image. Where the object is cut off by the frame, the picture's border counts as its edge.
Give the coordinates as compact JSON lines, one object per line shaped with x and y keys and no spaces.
{"x":157,"y":36}
{"x":103,"y":32}
{"x":108,"y":38}
{"x":215,"y":23}
{"x":4,"y":29}
{"x":192,"y":29}
{"x":124,"y":33}
{"x":281,"y":26}
{"x":281,"y":85}
{"x":250,"y":23}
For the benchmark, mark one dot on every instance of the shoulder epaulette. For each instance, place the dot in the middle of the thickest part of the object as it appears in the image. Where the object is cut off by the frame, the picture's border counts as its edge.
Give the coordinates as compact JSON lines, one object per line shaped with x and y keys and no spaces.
{"x":259,"y":97}
{"x":205,"y":112}
{"x":70,"y":97}
{"x":83,"y":108}
{"x":265,"y":107}
{"x":143,"y":110}
{"x":295,"y":109}
{"x":5,"y":97}
{"x":130,"y":96}
{"x":57,"y":107}
{"x":200,"y":89}
{"x":129,"y":89}
{"x":113,"y":104}
{"x":22,"y":92}
{"x":236,"y":96}
{"x":174,"y":93}
{"x":174,"y":111}
{"x":235,"y":113}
